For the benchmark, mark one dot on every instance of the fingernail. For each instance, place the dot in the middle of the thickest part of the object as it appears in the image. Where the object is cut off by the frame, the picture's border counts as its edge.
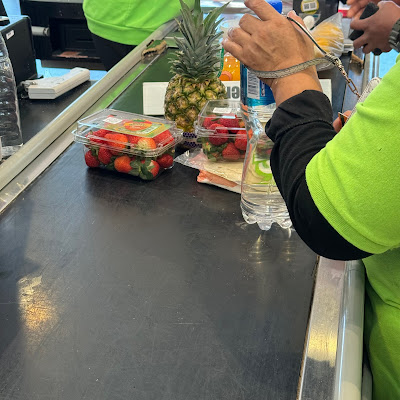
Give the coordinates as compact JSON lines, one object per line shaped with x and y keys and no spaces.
{"x":292,"y":13}
{"x":230,"y":31}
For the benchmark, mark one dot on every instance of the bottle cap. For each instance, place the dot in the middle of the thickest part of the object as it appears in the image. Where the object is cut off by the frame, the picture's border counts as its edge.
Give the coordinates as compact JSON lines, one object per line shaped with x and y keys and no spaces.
{"x":277,"y":4}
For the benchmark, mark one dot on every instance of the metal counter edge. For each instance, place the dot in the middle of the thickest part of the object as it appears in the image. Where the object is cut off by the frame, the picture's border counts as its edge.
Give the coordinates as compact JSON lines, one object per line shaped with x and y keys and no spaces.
{"x":333,"y":357}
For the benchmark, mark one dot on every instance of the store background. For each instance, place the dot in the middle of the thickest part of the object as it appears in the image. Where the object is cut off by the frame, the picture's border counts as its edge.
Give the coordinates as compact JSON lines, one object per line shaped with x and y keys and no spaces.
{"x":13,"y":8}
{"x":57,"y":68}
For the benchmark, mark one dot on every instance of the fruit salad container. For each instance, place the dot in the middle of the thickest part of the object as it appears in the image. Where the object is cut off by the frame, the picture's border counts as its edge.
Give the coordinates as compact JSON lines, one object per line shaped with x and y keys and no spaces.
{"x":128,"y":143}
{"x":221,"y":131}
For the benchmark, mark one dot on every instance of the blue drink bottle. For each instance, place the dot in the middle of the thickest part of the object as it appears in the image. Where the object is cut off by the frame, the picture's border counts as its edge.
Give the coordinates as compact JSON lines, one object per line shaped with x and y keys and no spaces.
{"x":254,"y":92}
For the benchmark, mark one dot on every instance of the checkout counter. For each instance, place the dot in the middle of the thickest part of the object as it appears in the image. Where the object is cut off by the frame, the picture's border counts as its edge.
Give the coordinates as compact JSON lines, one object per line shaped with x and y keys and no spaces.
{"x":116,"y":288}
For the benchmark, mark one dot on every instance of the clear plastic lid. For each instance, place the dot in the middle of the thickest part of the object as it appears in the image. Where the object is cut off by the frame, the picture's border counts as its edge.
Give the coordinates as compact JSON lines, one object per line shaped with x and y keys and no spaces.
{"x":128,"y":133}
{"x":220,"y":117}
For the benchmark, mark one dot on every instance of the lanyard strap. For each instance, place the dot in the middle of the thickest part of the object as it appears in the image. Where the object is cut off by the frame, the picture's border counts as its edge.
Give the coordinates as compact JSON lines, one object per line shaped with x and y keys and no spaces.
{"x":302,"y":66}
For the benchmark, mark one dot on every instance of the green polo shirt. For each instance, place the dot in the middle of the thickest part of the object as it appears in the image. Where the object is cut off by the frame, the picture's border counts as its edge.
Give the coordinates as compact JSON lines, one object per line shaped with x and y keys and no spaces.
{"x":129,"y":21}
{"x":355,"y":183}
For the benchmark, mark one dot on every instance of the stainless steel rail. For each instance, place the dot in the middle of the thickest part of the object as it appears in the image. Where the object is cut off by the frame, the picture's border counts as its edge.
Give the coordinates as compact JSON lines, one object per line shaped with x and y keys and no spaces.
{"x":349,"y":357}
{"x":332,"y":365}
{"x":319,"y":364}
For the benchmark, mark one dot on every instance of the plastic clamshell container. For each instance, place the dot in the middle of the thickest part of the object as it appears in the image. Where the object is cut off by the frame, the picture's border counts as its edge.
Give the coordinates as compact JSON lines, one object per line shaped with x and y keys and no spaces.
{"x":128,"y":143}
{"x":221,"y":131}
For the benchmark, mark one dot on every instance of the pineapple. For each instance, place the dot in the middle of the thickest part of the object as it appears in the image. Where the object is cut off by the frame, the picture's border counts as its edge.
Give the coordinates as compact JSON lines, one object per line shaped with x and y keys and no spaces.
{"x":195,"y":68}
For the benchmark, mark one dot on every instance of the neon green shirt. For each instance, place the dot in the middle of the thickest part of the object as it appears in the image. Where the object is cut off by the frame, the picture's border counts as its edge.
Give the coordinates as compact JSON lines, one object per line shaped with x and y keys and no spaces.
{"x":129,"y":21}
{"x":355,"y":183}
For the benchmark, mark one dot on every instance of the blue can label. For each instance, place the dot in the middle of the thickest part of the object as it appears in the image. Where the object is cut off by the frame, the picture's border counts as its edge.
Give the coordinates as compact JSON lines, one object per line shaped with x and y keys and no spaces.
{"x":254,"y":92}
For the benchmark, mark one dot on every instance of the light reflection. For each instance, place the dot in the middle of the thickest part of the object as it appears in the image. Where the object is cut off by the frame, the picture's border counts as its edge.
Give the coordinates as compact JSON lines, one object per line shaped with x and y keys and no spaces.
{"x":35,"y":307}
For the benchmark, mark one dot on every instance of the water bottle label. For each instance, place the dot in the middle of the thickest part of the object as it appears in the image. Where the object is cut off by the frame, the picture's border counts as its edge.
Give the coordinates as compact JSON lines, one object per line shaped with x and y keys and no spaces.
{"x":254,"y":92}
{"x":253,"y":86}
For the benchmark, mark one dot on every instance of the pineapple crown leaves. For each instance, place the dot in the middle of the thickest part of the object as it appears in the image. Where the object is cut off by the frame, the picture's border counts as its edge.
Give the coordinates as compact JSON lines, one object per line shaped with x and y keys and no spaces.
{"x":198,"y":54}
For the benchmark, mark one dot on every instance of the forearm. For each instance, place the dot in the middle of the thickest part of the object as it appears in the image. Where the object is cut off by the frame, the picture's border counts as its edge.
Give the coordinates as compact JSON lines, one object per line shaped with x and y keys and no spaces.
{"x":300,"y":128}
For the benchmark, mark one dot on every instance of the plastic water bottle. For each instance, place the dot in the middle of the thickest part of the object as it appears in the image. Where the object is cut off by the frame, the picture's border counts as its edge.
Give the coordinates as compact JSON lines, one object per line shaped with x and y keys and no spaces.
{"x":261,"y":201}
{"x":255,"y":93}
{"x":10,"y":131}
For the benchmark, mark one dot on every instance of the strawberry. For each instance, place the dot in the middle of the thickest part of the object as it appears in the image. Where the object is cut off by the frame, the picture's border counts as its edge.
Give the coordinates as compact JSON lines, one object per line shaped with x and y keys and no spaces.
{"x":146,"y":144}
{"x":116,"y":140}
{"x":230,"y":152}
{"x":91,"y":160}
{"x":164,"y":138}
{"x":123,"y":164}
{"x":101,"y":132}
{"x":165,"y":160}
{"x":241,"y":141}
{"x":105,"y":155}
{"x":98,"y":134}
{"x":217,"y":138}
{"x":229,"y":122}
{"x":133,"y":139}
{"x":208,"y":121}
{"x":149,"y":169}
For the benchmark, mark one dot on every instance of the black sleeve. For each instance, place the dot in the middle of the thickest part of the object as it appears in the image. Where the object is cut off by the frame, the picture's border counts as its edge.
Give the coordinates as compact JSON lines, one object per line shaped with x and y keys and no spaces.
{"x":300,"y":127}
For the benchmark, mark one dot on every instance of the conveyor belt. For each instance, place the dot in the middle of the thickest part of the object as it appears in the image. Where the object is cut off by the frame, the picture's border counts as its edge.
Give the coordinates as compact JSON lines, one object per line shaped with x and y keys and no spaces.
{"x":113,"y":288}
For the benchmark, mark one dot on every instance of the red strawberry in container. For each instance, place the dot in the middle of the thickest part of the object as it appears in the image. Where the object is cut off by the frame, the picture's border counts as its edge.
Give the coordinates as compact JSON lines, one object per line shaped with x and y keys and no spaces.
{"x":116,"y":140}
{"x":91,"y":160}
{"x":105,"y":156}
{"x":149,"y":169}
{"x":220,"y":135}
{"x":96,"y":135}
{"x":123,"y":164}
{"x":146,"y":144}
{"x":230,"y":122}
{"x":208,"y":121}
{"x":165,"y":160}
{"x":231,"y":152}
{"x":241,"y":141}
{"x":133,"y":139}
{"x":164,"y":138}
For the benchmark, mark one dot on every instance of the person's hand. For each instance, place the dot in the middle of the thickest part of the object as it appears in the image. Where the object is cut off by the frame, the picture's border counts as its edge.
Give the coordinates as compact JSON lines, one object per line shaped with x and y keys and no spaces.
{"x":272,"y":43}
{"x":377,"y":28}
{"x":338,"y":124}
{"x":357,"y":7}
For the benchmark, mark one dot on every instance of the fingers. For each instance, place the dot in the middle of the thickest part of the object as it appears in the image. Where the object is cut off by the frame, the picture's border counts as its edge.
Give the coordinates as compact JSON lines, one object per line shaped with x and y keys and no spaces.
{"x":367,"y":48}
{"x":338,"y":122}
{"x":348,"y":113}
{"x":249,"y":23}
{"x":231,"y":47}
{"x":359,"y":24}
{"x":355,"y":7}
{"x":360,"y":42}
{"x":353,"y":10}
{"x":337,"y":125}
{"x":239,"y":36}
{"x":292,"y":14}
{"x":261,"y":8}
